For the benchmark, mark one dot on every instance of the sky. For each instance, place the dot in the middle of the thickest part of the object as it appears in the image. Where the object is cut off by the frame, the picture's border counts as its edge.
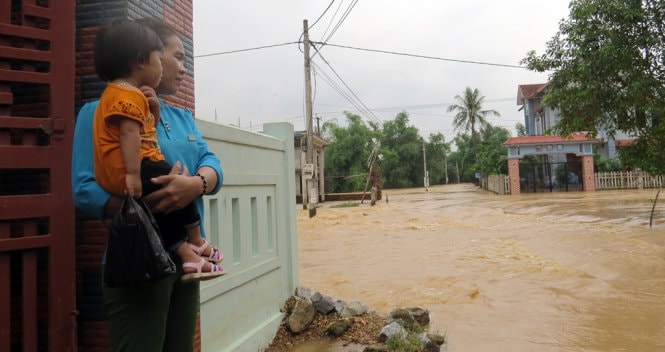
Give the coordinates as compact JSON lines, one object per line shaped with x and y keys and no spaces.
{"x":435,"y":44}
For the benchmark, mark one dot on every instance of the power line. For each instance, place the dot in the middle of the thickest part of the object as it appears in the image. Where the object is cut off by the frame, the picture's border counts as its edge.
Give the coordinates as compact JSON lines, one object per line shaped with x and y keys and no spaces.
{"x":362,"y":49}
{"x":324,"y":12}
{"x":341,"y":20}
{"x":243,"y":50}
{"x":420,"y":56}
{"x":332,"y":19}
{"x":367,"y":110}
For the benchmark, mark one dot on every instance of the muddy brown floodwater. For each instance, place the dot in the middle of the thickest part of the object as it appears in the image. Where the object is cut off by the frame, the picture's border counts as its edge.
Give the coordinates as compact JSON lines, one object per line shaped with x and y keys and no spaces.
{"x":556,"y":272}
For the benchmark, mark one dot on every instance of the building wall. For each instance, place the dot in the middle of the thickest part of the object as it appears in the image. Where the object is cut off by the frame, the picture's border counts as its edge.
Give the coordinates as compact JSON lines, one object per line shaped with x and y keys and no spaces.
{"x":92,"y":14}
{"x":252,"y":218}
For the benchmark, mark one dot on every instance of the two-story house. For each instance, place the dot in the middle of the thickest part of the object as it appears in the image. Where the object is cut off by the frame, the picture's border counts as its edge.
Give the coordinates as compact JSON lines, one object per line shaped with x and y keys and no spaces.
{"x":540,"y":161}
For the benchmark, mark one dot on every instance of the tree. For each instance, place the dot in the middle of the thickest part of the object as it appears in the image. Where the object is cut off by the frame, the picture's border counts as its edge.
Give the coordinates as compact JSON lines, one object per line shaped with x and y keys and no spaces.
{"x":486,"y":156}
{"x":437,"y":158}
{"x":608,"y":70}
{"x":347,"y":154}
{"x":470,"y":116}
{"x":521,"y":130}
{"x":491,"y":154}
{"x":402,"y":152}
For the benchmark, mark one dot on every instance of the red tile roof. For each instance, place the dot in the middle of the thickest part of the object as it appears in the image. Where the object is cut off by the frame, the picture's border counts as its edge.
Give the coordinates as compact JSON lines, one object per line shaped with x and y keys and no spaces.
{"x":575,"y":138}
{"x":619,"y":143}
{"x":527,"y":91}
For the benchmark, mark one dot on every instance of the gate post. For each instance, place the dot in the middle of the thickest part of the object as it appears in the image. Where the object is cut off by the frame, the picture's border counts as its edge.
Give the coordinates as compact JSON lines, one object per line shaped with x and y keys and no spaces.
{"x":514,"y":175}
{"x":589,"y":183}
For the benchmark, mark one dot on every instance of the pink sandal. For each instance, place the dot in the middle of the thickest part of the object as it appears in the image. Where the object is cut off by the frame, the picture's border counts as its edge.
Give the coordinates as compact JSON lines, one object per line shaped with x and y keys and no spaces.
{"x":215,"y":255}
{"x":199,"y":275}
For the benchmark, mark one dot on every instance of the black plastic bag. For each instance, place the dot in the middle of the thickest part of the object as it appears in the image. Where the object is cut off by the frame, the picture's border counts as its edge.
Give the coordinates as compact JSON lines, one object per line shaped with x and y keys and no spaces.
{"x":135,"y":253}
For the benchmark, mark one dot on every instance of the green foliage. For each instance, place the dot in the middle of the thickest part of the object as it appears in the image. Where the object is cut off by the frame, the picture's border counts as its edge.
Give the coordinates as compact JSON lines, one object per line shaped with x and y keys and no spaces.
{"x":347,"y":154}
{"x":410,"y":343}
{"x":648,"y":152}
{"x":402,"y":152}
{"x":490,"y":154}
{"x":521,"y":129}
{"x":437,"y":151}
{"x":470,"y":116}
{"x":609,"y":70}
{"x":486,"y":156}
{"x":605,"y":165}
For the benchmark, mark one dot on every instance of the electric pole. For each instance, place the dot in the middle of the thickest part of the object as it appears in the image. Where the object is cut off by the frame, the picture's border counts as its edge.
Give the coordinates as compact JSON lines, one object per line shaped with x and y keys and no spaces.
{"x":445,"y":160}
{"x":310,"y":193}
{"x":425,"y":176}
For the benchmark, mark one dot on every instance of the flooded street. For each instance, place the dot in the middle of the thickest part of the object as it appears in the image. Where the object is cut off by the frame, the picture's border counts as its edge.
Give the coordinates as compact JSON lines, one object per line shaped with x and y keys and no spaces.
{"x":579,"y":271}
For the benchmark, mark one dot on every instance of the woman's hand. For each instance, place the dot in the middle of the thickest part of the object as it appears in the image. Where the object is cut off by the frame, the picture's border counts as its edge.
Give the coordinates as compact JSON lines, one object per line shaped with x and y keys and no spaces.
{"x":178,"y":190}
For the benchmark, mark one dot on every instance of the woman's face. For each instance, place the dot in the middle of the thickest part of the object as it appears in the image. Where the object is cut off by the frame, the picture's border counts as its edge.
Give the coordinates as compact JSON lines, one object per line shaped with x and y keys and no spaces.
{"x":173,"y":66}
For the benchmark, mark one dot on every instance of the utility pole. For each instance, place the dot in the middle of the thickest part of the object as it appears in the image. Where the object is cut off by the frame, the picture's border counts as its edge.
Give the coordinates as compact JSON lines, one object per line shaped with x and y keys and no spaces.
{"x":310,"y":193}
{"x":425,"y":176}
{"x":445,"y":160}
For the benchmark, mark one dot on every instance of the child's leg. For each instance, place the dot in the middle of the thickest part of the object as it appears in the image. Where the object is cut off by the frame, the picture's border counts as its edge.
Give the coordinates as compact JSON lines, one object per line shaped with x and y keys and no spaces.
{"x":196,"y":268}
{"x":188,"y":256}
{"x":202,"y":247}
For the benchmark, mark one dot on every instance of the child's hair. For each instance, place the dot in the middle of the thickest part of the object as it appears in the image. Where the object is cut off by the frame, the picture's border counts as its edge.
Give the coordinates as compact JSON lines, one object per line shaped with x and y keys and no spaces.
{"x":121,"y":44}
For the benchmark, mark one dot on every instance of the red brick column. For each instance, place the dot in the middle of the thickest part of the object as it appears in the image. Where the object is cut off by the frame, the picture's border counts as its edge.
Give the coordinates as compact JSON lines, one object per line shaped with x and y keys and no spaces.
{"x":514,"y":175}
{"x":588,"y":177}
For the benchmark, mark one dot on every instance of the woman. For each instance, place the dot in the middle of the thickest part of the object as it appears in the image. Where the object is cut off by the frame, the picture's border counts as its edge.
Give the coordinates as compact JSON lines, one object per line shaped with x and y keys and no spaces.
{"x":162,"y":315}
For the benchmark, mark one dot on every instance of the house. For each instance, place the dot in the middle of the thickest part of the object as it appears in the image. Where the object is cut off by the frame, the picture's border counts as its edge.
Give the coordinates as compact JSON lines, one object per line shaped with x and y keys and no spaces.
{"x":303,"y":170}
{"x":539,"y":119}
{"x":540,"y":161}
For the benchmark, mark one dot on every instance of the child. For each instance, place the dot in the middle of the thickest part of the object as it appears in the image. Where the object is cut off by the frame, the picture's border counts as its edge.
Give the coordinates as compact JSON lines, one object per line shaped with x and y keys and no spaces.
{"x":128,"y":56}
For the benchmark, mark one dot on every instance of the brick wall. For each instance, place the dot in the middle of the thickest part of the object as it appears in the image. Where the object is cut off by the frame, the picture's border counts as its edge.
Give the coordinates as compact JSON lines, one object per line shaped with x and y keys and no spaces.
{"x":514,"y":175}
{"x":589,"y":180}
{"x":91,"y":235}
{"x":92,"y":14}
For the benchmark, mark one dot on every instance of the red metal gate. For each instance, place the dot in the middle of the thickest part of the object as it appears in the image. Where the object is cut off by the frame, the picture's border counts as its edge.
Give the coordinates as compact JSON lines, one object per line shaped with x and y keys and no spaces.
{"x":37,"y":286}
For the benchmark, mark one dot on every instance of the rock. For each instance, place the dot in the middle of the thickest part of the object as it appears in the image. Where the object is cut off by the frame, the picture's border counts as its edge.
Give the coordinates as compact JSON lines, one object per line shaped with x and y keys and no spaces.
{"x":404,"y":318}
{"x":376,"y":348}
{"x":420,"y":315}
{"x":353,"y":309}
{"x":289,"y":305}
{"x":339,"y":306}
{"x":427,"y":344}
{"x":339,"y":327}
{"x":436,"y":338}
{"x":303,"y":292}
{"x":430,"y":346}
{"x":302,"y":315}
{"x":392,"y":330}
{"x":323,"y":304}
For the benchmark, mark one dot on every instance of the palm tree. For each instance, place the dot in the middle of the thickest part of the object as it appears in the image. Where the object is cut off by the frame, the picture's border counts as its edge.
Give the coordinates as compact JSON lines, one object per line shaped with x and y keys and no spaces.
{"x":469,"y":112}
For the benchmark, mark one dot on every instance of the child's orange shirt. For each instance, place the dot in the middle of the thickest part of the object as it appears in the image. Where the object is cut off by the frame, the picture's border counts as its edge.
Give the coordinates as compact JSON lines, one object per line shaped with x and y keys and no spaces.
{"x":128,"y":103}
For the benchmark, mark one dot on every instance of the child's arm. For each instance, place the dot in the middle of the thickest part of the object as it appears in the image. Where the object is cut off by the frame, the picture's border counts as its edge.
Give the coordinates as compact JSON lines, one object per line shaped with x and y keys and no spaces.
{"x":153,"y":101}
{"x":130,"y":143}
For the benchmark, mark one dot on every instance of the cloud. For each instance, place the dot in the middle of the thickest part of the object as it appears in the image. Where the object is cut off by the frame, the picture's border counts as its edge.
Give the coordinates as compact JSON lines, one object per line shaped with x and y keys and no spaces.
{"x":267,"y":85}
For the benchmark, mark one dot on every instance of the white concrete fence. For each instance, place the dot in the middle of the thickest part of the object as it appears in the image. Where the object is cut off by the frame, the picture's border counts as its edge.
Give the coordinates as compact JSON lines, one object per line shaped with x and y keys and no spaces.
{"x":252,"y":220}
